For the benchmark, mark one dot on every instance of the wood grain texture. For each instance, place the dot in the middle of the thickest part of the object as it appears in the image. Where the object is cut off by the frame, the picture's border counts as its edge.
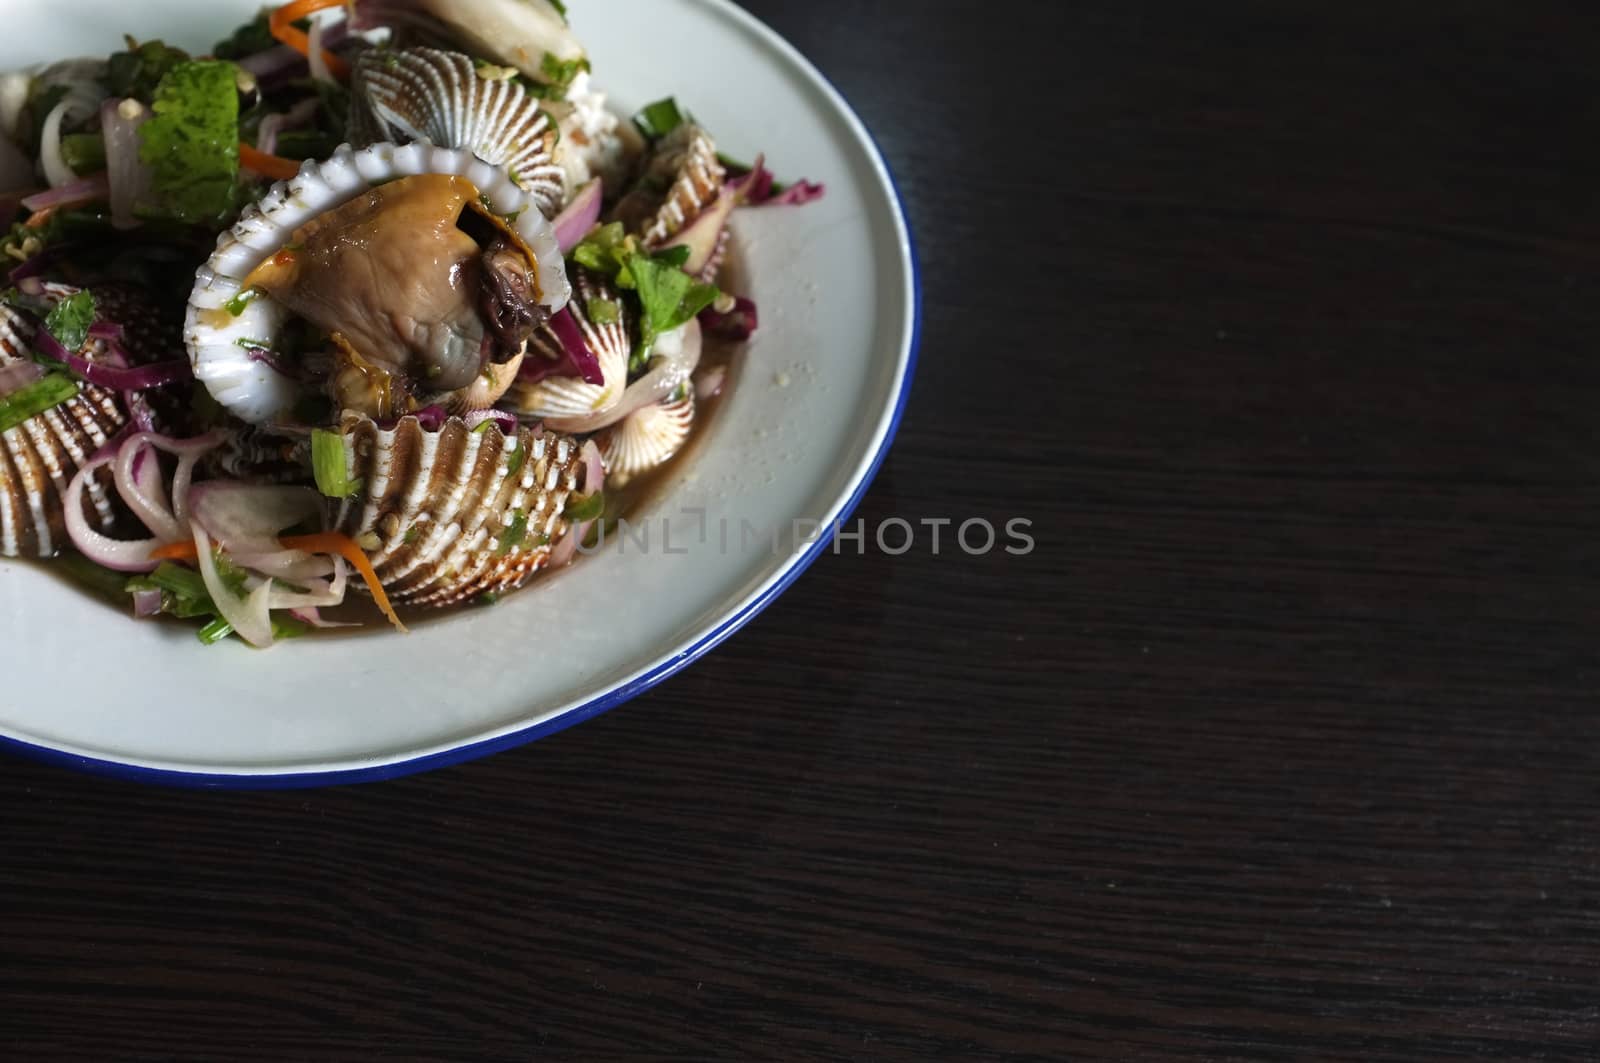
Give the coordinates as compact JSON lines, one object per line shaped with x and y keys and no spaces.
{"x":1279,"y":321}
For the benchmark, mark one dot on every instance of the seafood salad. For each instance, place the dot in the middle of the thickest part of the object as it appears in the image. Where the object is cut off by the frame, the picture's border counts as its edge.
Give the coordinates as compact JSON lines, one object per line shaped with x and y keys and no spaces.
{"x":378,"y":302}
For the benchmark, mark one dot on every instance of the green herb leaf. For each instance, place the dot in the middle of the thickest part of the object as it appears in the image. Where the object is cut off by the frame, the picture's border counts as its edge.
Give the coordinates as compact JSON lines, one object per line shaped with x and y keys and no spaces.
{"x":215,"y":631}
{"x":139,"y":70}
{"x":514,"y":534}
{"x":84,"y":153}
{"x":237,"y":304}
{"x":518,"y":458}
{"x":34,"y":399}
{"x":285,"y":626}
{"x":254,"y":36}
{"x":561,"y":73}
{"x":583,"y":508}
{"x":69,"y":321}
{"x":192,"y":143}
{"x":659,"y":119}
{"x":561,"y":9}
{"x":328,"y":465}
{"x":669,"y":297}
{"x":604,"y":311}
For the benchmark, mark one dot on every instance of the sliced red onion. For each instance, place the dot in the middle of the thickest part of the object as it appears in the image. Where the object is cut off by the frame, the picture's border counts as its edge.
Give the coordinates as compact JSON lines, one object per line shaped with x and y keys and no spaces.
{"x":594,"y":479}
{"x":738,"y":324}
{"x":583,"y":359}
{"x":312,"y":617}
{"x":293,"y":118}
{"x":758,"y":188}
{"x":429,"y":419}
{"x":117,"y":378}
{"x":127,"y":176}
{"x":677,"y":355}
{"x":323,"y":594}
{"x":18,"y":375}
{"x":314,"y":56}
{"x":246,"y":519}
{"x":116,"y":554}
{"x":138,"y":478}
{"x":26,"y":277}
{"x":574,"y":223}
{"x":291,"y":566}
{"x":704,"y":234}
{"x":250,"y":616}
{"x":134,"y":556}
{"x":76,"y":193}
{"x":146,"y":604}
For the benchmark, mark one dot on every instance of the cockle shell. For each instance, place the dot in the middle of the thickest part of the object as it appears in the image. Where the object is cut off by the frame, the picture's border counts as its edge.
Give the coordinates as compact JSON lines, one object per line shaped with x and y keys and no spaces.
{"x":682,"y":180}
{"x":449,"y":516}
{"x":423,"y":94}
{"x":219,"y":339}
{"x":40,"y":456}
{"x":647,"y":440}
{"x":569,"y":396}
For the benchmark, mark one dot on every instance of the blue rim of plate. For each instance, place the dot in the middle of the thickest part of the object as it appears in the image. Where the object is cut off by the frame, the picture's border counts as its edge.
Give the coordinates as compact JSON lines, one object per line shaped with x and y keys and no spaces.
{"x":587,"y":711}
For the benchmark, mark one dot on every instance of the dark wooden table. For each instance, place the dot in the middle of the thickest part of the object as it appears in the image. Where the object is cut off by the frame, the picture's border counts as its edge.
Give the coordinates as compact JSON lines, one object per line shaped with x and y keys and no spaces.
{"x":1279,"y":320}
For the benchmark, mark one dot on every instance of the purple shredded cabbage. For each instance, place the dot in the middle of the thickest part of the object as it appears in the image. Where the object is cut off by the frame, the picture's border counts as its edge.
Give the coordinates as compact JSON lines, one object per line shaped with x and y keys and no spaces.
{"x":736,"y":325}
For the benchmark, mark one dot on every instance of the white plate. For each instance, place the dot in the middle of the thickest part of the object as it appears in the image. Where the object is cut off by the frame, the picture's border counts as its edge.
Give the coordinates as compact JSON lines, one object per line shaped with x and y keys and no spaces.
{"x":799,"y":439}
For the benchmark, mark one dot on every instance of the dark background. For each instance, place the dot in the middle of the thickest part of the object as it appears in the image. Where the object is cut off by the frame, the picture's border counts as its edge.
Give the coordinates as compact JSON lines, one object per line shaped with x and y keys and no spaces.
{"x":1279,"y":321}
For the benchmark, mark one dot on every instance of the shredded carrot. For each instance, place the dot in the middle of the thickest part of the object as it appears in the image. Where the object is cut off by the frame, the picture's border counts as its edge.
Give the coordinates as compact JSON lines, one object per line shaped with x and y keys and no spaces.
{"x":345,"y":547}
{"x":273,"y":166}
{"x":183,"y":551}
{"x":282,"y":25}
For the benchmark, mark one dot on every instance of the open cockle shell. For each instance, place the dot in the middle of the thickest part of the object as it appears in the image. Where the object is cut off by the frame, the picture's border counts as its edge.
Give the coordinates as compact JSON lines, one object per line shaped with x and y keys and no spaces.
{"x":40,"y":456}
{"x":570,"y":396}
{"x":423,"y":94}
{"x":682,"y":180}
{"x":647,"y":439}
{"x":450,"y":516}
{"x":220,"y":341}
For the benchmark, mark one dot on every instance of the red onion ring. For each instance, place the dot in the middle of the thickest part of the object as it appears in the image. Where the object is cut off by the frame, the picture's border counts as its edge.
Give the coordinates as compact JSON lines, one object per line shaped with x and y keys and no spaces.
{"x":127,"y":177}
{"x":655,"y":386}
{"x":574,"y":223}
{"x":83,"y":190}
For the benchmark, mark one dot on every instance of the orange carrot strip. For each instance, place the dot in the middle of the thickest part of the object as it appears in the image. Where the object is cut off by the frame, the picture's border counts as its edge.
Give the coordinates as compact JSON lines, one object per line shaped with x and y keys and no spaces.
{"x":345,"y":547}
{"x":273,"y":166}
{"x":282,"y":26}
{"x":184,"y":551}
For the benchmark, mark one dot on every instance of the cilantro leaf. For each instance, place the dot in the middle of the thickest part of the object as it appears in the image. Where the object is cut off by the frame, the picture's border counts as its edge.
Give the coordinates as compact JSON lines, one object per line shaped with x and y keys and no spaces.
{"x":192,"y":143}
{"x":668,"y":297}
{"x":70,"y":319}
